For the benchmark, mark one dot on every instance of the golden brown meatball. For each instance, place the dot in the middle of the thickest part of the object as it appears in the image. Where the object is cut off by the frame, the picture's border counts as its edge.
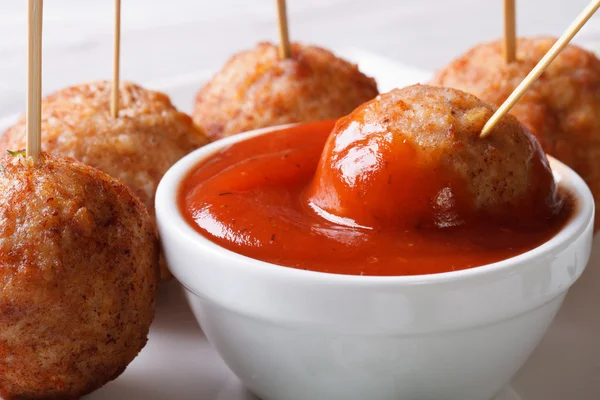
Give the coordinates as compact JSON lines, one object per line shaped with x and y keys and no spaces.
{"x":413,"y":158}
{"x":256,"y":89}
{"x":149,"y":136}
{"x":562,"y":108}
{"x":78,"y":277}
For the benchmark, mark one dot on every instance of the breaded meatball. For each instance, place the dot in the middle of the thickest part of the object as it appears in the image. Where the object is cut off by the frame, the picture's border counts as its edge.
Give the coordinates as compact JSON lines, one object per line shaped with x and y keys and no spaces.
{"x":256,"y":89}
{"x":562,"y":108}
{"x":78,"y":277}
{"x":413,"y":158}
{"x":149,"y":136}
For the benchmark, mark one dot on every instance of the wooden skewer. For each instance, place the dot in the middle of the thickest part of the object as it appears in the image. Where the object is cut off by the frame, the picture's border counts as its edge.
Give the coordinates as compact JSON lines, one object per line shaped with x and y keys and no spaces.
{"x":114,"y":103}
{"x":285,"y":49}
{"x":34,"y":78}
{"x":510,"y":36}
{"x":541,"y":66}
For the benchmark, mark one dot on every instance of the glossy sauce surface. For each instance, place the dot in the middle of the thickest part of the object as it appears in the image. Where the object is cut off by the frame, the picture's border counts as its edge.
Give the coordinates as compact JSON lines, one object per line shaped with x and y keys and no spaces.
{"x":252,"y":198}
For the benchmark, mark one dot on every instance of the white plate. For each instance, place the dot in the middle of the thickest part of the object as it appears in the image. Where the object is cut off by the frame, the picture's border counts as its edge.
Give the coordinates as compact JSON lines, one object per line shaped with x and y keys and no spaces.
{"x":179,"y":363}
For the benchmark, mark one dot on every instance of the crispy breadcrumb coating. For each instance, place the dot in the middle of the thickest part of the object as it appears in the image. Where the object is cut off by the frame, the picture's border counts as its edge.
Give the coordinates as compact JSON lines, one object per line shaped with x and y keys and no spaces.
{"x":78,"y":277}
{"x":256,"y":89}
{"x":149,"y":136}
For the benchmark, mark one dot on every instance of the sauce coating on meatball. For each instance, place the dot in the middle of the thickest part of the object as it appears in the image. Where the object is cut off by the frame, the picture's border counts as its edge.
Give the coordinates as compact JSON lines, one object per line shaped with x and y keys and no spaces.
{"x":412,"y":157}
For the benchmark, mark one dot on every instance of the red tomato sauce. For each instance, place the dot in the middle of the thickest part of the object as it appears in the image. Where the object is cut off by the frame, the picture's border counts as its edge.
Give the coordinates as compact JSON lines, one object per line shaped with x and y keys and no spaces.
{"x":250,"y":198}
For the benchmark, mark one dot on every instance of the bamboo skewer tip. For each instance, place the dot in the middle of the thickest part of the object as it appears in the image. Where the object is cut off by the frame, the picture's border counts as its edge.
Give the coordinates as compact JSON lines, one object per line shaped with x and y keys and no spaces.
{"x":285,"y":48}
{"x":34,"y":78}
{"x":114,"y":103}
{"x":509,"y":48}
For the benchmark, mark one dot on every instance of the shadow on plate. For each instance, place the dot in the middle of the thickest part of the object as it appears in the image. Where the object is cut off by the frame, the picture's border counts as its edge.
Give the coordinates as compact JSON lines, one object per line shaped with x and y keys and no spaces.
{"x":173,"y":315}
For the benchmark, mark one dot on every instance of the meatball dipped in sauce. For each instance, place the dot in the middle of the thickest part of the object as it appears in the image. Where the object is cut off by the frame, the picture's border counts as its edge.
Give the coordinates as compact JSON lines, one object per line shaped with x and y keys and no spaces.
{"x":78,"y":277}
{"x":257,"y":89}
{"x":138,"y":147}
{"x":562,"y":108}
{"x":413,"y":157}
{"x":403,"y":185}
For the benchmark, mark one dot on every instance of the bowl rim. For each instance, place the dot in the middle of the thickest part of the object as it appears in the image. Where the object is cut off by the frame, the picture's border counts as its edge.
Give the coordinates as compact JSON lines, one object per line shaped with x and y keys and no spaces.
{"x":166,"y":204}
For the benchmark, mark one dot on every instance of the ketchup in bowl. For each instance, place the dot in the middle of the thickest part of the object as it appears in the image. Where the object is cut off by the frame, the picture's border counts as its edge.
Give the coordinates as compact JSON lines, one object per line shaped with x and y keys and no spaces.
{"x":390,"y":195}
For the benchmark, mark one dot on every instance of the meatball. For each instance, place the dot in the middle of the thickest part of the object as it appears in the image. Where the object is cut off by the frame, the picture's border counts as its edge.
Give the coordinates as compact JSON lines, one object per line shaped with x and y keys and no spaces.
{"x":149,"y":136}
{"x":413,"y":158}
{"x":78,"y":277}
{"x":256,"y":89}
{"x":562,"y":108}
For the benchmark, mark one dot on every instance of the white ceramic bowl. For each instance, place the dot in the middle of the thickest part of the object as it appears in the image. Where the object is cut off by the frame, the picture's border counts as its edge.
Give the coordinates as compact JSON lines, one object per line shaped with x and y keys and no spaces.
{"x":291,"y":334}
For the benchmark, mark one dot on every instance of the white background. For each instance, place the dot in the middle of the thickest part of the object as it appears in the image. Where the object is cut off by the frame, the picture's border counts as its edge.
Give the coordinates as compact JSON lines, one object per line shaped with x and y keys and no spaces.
{"x":162,"y":38}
